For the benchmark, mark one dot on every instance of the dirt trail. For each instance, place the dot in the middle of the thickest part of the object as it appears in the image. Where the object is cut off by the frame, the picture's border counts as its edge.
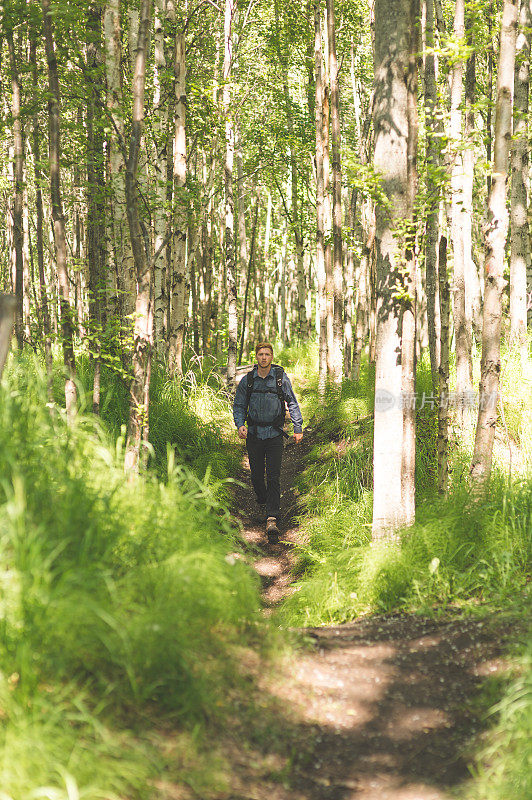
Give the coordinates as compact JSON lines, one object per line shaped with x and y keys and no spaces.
{"x":382,"y":708}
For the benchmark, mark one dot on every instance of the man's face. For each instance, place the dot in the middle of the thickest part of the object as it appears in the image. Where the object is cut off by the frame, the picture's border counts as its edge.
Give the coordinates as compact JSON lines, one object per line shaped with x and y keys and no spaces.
{"x":264,"y":357}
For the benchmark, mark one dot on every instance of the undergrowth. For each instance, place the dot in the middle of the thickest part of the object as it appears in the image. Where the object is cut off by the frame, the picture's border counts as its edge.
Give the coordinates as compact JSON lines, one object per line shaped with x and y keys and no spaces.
{"x":122,"y":602}
{"x":186,"y":414}
{"x":462,"y":550}
{"x":468,"y":553}
{"x":503,"y":765}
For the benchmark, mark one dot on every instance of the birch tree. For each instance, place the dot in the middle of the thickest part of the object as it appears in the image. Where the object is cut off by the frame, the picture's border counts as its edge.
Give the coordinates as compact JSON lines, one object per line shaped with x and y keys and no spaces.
{"x":519,"y":238}
{"x":495,"y":232}
{"x":337,"y":261}
{"x":320,"y":201}
{"x":458,"y":214}
{"x":60,"y":243}
{"x":229,"y":238}
{"x":143,"y":332}
{"x":395,"y":22}
{"x":178,"y":284}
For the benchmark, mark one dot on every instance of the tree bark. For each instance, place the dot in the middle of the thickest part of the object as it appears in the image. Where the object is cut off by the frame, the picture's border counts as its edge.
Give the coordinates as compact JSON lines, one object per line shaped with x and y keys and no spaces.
{"x":337,"y":260}
{"x":433,"y":197}
{"x":394,"y":143}
{"x":96,"y":227}
{"x":294,"y":216}
{"x":495,"y":233}
{"x":408,"y":316}
{"x":121,"y":275}
{"x":350,"y":209}
{"x":462,"y":333}
{"x":250,"y":272}
{"x":142,"y":342}
{"x":8,"y":307}
{"x":519,"y":238}
{"x":178,"y":292}
{"x":60,"y":245}
{"x":160,"y":124}
{"x":229,"y":239}
{"x":443,"y":369}
{"x":472,"y":282}
{"x":320,"y":202}
{"x":321,"y":268}
{"x":18,"y":190}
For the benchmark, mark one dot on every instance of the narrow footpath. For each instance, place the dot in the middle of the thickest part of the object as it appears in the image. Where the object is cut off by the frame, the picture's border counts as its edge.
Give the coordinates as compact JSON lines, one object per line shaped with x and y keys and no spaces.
{"x":382,"y":708}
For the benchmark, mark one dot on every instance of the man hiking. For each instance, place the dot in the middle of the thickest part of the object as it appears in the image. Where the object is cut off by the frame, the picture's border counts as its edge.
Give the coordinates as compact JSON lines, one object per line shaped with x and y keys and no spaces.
{"x":260,"y":401}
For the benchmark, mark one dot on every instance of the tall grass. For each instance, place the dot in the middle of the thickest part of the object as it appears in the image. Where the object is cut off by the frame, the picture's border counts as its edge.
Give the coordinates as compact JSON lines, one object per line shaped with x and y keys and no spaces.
{"x":503,"y":767}
{"x":119,"y":600}
{"x":186,"y":414}
{"x":461,"y":550}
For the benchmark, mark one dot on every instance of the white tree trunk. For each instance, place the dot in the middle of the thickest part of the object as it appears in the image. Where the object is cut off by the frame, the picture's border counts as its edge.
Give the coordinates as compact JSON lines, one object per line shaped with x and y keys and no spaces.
{"x":337,"y":261}
{"x":495,"y":233}
{"x":458,"y":214}
{"x":229,"y":239}
{"x":160,"y":122}
{"x":178,"y":283}
{"x":394,"y":21}
{"x":520,"y":240}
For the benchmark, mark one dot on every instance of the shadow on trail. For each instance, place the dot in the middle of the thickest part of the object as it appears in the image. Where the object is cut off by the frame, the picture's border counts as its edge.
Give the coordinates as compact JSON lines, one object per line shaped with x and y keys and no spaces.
{"x":384,"y":708}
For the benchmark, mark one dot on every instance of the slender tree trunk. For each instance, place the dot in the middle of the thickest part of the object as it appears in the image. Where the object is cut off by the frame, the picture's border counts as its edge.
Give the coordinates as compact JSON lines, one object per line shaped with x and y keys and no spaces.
{"x":142,"y":345}
{"x":433,"y":197}
{"x":328,"y":223}
{"x":394,"y":143}
{"x":443,"y":369}
{"x":250,"y":272}
{"x":489,"y":90}
{"x":294,"y":220}
{"x":229,"y":239}
{"x":408,"y":317}
{"x":472,"y":282}
{"x":8,"y":307}
{"x":60,"y":244}
{"x":362,"y":312}
{"x":96,"y":227}
{"x":176,"y":337}
{"x":337,"y":262}
{"x":122,"y":278}
{"x":160,"y":124}
{"x":320,"y":202}
{"x":241,"y":215}
{"x":29,"y":284}
{"x":192,"y":291}
{"x":520,"y":240}
{"x":462,"y":334}
{"x":18,"y":190}
{"x":494,"y":241}
{"x":350,"y":204}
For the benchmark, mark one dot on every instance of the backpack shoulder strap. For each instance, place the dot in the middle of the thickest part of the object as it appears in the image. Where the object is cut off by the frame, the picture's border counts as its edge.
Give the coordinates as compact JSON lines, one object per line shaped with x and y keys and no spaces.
{"x":279,"y":375}
{"x":249,"y":385}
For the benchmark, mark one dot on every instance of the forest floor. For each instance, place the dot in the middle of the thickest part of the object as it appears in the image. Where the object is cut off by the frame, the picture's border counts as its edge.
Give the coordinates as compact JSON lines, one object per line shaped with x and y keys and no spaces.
{"x":383,"y":707}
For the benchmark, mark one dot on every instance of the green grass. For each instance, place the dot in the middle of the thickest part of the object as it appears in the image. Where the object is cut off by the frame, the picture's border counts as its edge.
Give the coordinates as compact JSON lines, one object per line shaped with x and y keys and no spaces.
{"x":503,"y":764}
{"x":187,"y":415}
{"x":122,"y":602}
{"x":462,"y":550}
{"x":465,"y":553}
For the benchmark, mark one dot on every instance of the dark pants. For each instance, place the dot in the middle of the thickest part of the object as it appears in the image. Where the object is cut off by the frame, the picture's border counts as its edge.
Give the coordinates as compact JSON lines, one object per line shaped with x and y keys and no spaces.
{"x":266,"y":453}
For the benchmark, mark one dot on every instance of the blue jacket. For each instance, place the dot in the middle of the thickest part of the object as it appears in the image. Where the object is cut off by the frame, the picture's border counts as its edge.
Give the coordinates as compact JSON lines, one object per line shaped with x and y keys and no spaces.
{"x":264,"y":405}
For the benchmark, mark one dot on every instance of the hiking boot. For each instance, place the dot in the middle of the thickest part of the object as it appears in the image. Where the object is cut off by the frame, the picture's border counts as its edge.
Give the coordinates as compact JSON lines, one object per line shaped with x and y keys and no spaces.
{"x":272,"y":530}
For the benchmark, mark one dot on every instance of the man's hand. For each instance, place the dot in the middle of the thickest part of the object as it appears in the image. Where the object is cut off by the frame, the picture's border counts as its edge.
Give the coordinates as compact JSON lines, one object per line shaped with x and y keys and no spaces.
{"x":298,"y":437}
{"x":243,"y":432}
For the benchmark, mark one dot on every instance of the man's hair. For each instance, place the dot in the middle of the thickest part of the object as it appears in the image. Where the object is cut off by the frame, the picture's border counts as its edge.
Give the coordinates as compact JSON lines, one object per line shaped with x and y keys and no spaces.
{"x":262,"y":345}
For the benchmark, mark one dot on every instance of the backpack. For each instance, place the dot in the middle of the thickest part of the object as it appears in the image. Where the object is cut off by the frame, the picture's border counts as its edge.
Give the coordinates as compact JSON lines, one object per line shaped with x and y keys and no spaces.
{"x":278,"y":423}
